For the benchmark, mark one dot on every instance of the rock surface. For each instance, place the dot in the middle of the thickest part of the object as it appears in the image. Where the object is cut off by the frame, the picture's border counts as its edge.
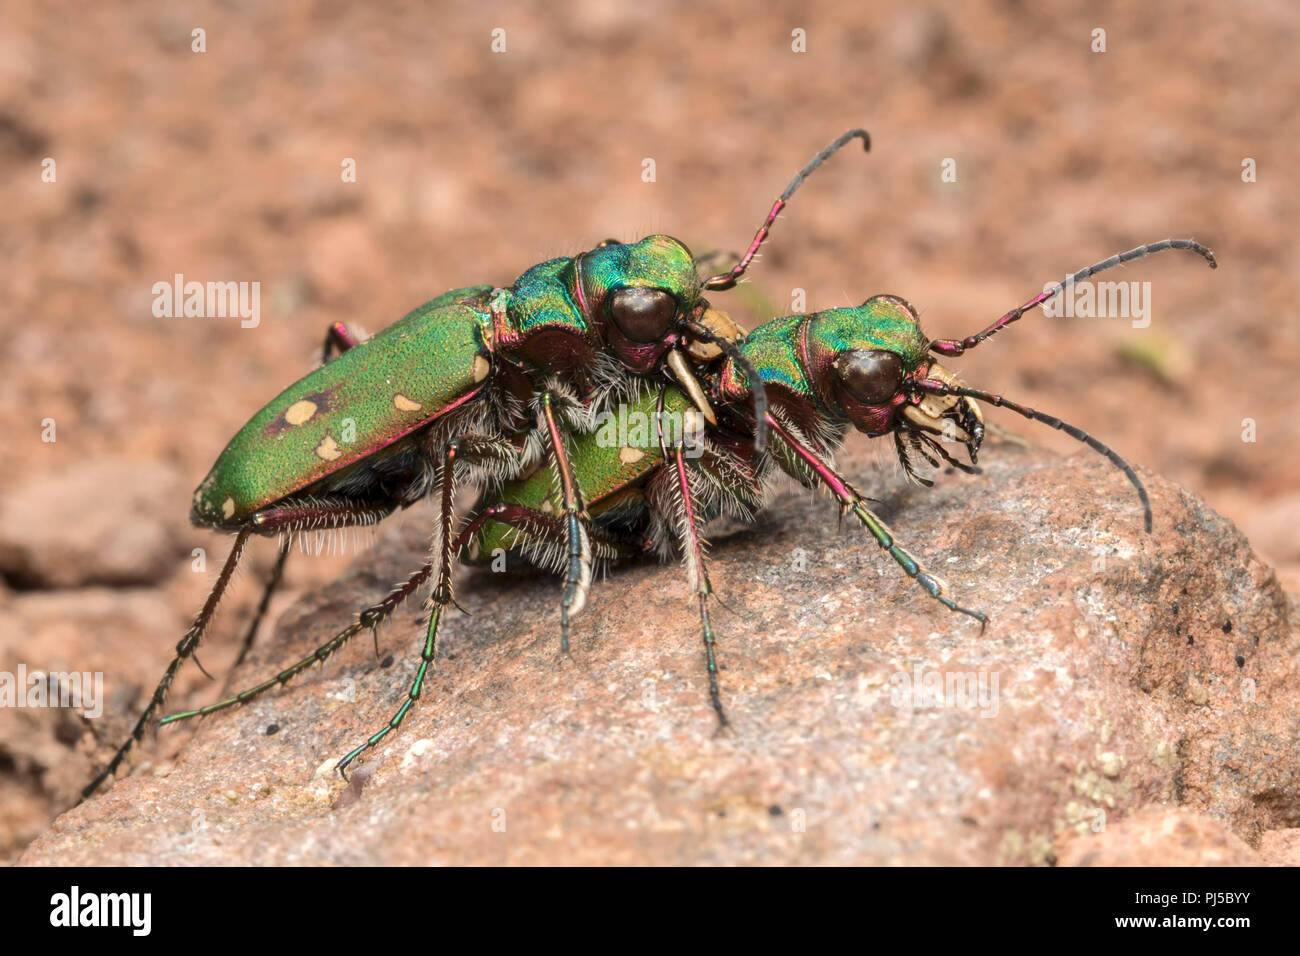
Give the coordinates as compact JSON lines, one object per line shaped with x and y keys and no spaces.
{"x":103,"y":521}
{"x":1160,"y":836}
{"x":1175,"y":836}
{"x":1122,"y":673}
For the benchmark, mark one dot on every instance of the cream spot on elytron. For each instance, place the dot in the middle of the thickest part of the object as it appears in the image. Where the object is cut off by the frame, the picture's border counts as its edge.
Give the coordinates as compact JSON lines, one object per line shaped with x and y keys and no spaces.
{"x":630,"y":456}
{"x":300,"y":413}
{"x":547,"y":508}
{"x":228,"y":508}
{"x":481,"y":368}
{"x":328,"y":449}
{"x":404,"y":404}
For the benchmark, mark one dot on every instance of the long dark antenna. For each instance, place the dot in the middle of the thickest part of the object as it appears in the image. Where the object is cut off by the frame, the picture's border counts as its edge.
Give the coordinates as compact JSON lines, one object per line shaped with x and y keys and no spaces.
{"x":941,"y":388}
{"x":727,"y":280}
{"x":958,"y":346}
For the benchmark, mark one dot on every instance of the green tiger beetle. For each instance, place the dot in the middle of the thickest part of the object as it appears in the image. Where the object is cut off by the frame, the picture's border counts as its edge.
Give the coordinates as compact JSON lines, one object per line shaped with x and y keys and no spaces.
{"x":501,"y":374}
{"x":867,"y":368}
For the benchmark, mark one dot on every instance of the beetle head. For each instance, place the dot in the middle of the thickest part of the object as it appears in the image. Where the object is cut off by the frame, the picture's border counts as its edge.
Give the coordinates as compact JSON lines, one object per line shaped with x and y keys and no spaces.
{"x":863,"y":362}
{"x":640,"y":298}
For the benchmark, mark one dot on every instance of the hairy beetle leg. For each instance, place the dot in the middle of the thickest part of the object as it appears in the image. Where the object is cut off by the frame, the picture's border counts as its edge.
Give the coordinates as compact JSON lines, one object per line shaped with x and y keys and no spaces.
{"x":442,"y":596}
{"x":851,"y":500}
{"x":284,"y":517}
{"x":527,"y":520}
{"x":578,"y":568}
{"x":338,"y":338}
{"x":371,"y":617}
{"x":694,"y":547}
{"x":277,"y":574}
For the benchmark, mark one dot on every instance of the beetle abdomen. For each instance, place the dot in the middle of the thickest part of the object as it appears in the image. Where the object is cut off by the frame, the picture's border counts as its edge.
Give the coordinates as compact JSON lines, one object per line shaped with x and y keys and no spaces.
{"x":412,"y":373}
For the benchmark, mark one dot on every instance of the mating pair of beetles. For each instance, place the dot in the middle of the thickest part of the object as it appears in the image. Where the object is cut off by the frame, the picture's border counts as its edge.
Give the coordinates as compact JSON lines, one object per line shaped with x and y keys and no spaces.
{"x":503,"y":387}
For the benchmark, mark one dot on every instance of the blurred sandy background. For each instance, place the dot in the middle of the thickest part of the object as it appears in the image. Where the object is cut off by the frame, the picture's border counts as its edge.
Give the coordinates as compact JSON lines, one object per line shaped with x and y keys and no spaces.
{"x":473,"y":165}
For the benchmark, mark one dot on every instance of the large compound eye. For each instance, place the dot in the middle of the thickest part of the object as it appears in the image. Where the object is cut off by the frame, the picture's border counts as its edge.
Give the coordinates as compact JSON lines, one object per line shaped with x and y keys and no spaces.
{"x":643,"y":315}
{"x":871,"y":377}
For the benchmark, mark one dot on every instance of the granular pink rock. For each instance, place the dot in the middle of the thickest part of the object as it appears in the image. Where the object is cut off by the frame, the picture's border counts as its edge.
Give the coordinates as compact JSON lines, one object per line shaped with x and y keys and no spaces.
{"x":1120,"y":671}
{"x":103,"y":521}
{"x":1160,"y":836}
